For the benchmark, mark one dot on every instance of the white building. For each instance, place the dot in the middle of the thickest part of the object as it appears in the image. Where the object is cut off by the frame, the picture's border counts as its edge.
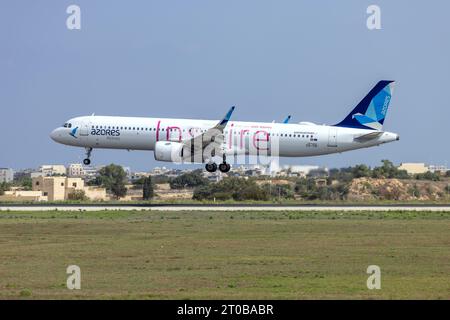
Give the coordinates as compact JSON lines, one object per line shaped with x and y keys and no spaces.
{"x":6,"y":175}
{"x":75,"y":170}
{"x":420,"y":167}
{"x":437,"y":168}
{"x":49,"y":170}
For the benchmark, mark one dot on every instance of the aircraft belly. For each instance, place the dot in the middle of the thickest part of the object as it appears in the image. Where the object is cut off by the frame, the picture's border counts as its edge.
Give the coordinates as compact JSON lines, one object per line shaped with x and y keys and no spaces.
{"x":131,"y":141}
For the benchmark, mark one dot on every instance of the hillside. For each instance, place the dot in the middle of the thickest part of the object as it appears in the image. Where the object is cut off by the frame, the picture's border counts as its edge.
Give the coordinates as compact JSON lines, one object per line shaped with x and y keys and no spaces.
{"x":364,"y":189}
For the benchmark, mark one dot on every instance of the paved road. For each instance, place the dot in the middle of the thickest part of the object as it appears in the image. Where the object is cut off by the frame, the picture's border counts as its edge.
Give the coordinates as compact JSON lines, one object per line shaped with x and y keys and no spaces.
{"x":222,"y":207}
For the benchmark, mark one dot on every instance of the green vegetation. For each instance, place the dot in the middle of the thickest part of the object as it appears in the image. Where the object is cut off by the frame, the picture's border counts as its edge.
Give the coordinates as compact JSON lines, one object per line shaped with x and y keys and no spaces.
{"x":147,"y":189}
{"x":231,"y":188}
{"x":77,"y":195}
{"x":386,"y":170}
{"x":278,"y":191}
{"x":24,"y":182}
{"x":428,"y":176}
{"x":4,"y":186}
{"x":337,"y":186}
{"x":189,"y":180}
{"x":224,"y":255}
{"x":113,"y":178}
{"x":309,"y":190}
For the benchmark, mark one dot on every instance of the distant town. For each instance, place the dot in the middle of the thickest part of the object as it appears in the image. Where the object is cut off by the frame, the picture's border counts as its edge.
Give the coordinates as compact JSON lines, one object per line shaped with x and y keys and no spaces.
{"x":57,"y":182}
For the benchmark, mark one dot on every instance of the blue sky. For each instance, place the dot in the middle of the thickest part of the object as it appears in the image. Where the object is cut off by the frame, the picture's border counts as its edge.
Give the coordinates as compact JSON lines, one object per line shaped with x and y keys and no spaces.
{"x":194,"y":59}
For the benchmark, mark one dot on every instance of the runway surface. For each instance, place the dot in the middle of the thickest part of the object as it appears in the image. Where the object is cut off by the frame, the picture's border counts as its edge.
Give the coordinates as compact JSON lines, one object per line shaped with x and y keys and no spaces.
{"x":223,"y":207}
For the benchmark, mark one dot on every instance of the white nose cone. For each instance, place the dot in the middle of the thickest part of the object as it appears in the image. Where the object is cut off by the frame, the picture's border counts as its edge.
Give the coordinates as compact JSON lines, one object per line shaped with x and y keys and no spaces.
{"x":55,"y":135}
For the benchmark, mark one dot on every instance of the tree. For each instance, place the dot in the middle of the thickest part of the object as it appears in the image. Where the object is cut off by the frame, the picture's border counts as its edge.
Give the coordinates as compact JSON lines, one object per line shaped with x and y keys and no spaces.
{"x":433,"y":176}
{"x":4,"y":186}
{"x":24,"y":181}
{"x":361,"y":170}
{"x":388,"y":170}
{"x":113,"y":178}
{"x":147,"y":188}
{"x":189,"y":180}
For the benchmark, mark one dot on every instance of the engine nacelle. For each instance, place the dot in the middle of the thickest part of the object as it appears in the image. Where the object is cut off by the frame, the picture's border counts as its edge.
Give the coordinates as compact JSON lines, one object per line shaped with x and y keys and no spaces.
{"x":169,"y":151}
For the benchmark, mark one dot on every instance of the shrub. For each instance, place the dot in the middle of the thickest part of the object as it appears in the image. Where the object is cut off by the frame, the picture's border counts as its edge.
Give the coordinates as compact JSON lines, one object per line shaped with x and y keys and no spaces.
{"x":79,"y":195}
{"x":231,"y":188}
{"x":189,"y":180}
{"x":428,"y":176}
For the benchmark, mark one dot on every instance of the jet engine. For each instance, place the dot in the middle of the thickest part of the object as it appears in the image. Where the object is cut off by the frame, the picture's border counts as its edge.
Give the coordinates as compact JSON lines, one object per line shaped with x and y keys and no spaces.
{"x":169,"y":151}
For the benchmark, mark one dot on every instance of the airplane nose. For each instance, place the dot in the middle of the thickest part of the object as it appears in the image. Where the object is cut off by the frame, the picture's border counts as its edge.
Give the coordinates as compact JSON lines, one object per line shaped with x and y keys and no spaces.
{"x":398,"y":137}
{"x":55,"y":134}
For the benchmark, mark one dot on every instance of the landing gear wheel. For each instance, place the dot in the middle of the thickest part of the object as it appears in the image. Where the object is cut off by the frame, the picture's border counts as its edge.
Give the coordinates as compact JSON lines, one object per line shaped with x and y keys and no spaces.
{"x":211,"y":167}
{"x":224,"y":167}
{"x":87,"y":161}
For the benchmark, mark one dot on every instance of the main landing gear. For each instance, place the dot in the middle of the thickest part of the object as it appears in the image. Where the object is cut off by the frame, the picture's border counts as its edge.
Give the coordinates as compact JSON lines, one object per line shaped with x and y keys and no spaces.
{"x":223,"y":167}
{"x":87,"y":161}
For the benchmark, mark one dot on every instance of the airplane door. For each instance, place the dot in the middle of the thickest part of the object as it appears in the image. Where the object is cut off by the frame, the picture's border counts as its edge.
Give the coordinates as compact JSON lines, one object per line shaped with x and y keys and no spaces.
{"x":332,"y":137}
{"x":84,"y":130}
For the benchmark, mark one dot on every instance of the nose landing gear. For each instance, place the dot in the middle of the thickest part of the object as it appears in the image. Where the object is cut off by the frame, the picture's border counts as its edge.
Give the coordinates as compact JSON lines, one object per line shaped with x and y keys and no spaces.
{"x":87,"y":161}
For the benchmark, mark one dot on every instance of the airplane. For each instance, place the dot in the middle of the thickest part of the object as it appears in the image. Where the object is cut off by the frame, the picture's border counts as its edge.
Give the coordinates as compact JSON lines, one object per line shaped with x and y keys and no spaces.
{"x":203,"y":141}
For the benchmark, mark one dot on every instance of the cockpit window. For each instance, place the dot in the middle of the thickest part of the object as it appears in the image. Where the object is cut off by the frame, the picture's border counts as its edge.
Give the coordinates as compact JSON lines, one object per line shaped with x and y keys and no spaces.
{"x":67,"y":125}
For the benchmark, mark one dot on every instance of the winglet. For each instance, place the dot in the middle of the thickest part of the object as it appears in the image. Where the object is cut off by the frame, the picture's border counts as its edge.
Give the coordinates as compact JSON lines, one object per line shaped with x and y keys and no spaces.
{"x":227,"y":117}
{"x":287,"y":119}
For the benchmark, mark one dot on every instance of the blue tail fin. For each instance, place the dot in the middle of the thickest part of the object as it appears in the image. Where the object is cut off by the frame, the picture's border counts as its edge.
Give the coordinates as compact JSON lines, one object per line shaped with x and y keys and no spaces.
{"x":371,"y":111}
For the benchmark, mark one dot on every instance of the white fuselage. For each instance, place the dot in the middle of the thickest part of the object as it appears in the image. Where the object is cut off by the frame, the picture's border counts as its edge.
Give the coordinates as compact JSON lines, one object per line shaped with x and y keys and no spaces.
{"x":249,"y":138}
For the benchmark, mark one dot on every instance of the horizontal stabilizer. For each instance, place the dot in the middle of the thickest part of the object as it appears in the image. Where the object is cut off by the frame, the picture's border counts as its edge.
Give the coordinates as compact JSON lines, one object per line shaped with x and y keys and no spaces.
{"x":368,"y":136}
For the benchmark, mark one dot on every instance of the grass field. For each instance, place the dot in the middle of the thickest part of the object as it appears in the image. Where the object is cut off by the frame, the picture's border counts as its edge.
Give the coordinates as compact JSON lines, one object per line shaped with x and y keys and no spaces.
{"x":218,"y":255}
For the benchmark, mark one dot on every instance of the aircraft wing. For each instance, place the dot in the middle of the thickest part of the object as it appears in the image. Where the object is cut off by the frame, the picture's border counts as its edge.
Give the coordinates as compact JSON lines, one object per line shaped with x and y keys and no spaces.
{"x":211,"y":138}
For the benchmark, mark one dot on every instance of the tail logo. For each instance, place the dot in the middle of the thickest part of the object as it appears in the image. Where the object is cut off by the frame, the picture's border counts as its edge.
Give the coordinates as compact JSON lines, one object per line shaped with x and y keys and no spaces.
{"x":371,"y":111}
{"x":371,"y":118}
